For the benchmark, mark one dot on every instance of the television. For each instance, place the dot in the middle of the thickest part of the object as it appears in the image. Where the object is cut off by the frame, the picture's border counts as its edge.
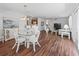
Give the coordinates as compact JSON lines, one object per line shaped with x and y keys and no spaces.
{"x":57,"y":26}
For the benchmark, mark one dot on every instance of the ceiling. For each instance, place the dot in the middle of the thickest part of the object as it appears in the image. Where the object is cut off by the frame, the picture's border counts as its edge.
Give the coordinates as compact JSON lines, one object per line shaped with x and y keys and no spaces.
{"x":44,"y":10}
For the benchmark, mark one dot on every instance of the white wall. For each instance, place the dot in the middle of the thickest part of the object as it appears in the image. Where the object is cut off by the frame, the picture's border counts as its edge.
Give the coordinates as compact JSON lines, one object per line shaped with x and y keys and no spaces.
{"x":1,"y":23}
{"x":1,"y":28}
{"x":11,"y":14}
{"x":75,"y":28}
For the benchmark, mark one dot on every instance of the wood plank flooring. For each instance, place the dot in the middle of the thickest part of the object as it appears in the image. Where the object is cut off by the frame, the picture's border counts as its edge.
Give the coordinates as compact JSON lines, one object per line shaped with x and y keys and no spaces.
{"x":51,"y":45}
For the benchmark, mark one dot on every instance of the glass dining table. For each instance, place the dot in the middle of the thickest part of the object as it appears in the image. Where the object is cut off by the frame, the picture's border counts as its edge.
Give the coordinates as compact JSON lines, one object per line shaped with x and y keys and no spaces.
{"x":27,"y":33}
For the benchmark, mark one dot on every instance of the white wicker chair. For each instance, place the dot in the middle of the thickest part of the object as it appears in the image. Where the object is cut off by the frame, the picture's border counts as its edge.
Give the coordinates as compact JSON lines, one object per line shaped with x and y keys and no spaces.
{"x":18,"y":40}
{"x":34,"y":38}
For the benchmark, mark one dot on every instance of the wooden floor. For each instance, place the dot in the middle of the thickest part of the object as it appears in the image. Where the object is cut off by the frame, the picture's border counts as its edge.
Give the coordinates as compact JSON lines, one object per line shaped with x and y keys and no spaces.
{"x":51,"y":45}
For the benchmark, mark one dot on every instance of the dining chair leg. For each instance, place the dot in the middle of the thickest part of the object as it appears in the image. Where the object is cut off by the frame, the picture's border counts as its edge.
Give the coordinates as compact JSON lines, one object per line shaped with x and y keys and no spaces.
{"x":34,"y":47}
{"x":69,"y":36}
{"x":62,"y":35}
{"x":17,"y":47}
{"x":2,"y":39}
{"x":38,"y":44}
{"x":25,"y":43}
{"x":28,"y":44}
{"x":14,"y":46}
{"x":46,"y":32}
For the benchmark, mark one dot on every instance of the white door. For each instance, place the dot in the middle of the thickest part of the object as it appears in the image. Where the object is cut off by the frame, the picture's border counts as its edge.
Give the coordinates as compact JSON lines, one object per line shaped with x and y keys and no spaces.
{"x":75,"y":28}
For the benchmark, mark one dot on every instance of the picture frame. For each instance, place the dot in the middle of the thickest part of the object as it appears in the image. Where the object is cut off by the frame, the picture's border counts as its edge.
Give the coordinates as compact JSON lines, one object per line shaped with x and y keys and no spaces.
{"x":10,"y":23}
